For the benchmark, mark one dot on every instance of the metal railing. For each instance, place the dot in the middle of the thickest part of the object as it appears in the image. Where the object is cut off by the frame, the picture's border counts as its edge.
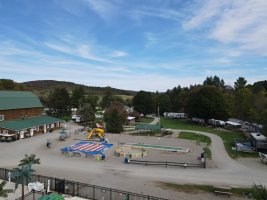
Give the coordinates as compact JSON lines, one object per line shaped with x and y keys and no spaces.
{"x":166,"y":163}
{"x":84,"y":190}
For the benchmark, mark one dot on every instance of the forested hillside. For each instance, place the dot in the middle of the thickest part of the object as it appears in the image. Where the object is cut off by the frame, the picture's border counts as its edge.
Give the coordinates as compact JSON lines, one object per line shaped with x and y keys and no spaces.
{"x":43,"y":87}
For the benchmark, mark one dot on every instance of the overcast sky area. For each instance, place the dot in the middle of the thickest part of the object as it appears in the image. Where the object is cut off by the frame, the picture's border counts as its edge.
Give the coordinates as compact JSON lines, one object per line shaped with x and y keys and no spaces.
{"x":133,"y":44}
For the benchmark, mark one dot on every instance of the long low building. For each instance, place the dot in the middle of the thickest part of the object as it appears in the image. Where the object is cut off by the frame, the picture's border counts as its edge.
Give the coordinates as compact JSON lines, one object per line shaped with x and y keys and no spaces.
{"x":21,"y":115}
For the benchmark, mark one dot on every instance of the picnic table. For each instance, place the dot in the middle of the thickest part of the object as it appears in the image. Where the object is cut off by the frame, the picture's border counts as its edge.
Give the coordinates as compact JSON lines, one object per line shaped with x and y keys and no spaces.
{"x":5,"y":137}
{"x":222,"y":190}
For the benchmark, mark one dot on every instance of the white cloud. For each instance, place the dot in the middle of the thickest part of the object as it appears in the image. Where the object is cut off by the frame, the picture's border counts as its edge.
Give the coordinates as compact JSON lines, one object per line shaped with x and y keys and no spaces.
{"x":83,"y":51}
{"x":208,"y":10}
{"x":103,"y":8}
{"x":151,"y":39}
{"x":118,"y":53}
{"x":169,"y":14}
{"x":238,"y":22}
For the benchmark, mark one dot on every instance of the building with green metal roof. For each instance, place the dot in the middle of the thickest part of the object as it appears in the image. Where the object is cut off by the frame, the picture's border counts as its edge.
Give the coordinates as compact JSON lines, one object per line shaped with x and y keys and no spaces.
{"x":22,"y":124}
{"x":10,"y":100}
{"x":21,"y":115}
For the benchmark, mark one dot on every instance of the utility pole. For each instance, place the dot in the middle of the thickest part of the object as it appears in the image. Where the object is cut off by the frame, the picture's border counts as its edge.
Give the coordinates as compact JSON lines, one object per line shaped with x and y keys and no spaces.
{"x":158,"y":115}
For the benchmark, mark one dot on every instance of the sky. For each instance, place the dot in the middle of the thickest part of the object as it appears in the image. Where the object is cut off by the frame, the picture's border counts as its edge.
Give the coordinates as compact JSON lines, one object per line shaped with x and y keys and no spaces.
{"x":151,"y":45}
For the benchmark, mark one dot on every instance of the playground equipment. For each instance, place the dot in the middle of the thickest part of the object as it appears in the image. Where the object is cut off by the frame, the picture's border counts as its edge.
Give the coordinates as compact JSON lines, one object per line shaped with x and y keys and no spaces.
{"x":130,"y":152}
{"x":63,"y":134}
{"x":92,"y":148}
{"x":99,"y":131}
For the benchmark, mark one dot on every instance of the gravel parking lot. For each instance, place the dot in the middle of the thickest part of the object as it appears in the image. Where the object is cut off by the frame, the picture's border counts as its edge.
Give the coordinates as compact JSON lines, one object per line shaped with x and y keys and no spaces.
{"x":115,"y":174}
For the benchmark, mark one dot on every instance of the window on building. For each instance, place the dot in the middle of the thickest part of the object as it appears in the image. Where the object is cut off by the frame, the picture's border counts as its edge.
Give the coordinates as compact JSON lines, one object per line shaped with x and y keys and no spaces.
{"x":37,"y":128}
{"x":2,"y":118}
{"x":52,"y":125}
{"x":5,"y":131}
{"x":58,"y":124}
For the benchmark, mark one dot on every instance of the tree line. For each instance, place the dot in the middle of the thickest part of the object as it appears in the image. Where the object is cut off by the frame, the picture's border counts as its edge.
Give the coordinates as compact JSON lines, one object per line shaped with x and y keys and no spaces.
{"x":212,"y":99}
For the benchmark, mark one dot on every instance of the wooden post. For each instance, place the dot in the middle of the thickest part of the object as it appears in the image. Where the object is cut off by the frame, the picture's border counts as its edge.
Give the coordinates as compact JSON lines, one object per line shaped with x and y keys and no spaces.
{"x":93,"y":192}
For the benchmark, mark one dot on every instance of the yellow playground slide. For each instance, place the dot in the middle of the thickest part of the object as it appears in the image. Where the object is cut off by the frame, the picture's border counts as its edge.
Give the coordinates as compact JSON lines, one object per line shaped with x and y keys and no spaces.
{"x":99,"y":131}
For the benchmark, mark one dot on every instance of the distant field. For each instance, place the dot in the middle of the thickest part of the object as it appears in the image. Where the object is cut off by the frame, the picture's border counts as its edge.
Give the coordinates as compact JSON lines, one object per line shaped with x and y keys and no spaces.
{"x":125,"y":97}
{"x":228,"y":137}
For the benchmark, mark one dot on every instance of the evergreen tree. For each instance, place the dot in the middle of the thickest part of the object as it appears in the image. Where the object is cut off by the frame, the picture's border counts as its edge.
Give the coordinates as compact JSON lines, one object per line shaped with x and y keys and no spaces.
{"x":144,"y":102}
{"x":214,"y":81}
{"x":240,"y":83}
{"x":59,"y":101}
{"x":107,"y":98}
{"x":77,"y":96}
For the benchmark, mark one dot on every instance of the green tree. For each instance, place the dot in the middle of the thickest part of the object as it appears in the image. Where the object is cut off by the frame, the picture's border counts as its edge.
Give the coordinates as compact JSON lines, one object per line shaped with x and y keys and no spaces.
{"x":115,"y":117}
{"x":240,"y":83}
{"x":178,"y":97}
{"x":259,"y":192}
{"x":7,"y":84}
{"x":87,"y":113}
{"x":59,"y":101}
{"x":92,"y":100}
{"x":107,"y":98}
{"x":206,"y":102}
{"x":136,"y":115}
{"x":243,"y":104}
{"x":77,"y":96}
{"x":144,"y":102}
{"x":51,"y":197}
{"x":4,"y":192}
{"x":264,"y":122}
{"x":164,"y":103}
{"x":214,"y":81}
{"x":30,"y":160}
{"x":22,"y":176}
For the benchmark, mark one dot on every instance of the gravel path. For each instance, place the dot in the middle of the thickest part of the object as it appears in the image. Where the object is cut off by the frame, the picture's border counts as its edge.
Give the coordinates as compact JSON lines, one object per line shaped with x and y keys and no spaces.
{"x":113,"y":173}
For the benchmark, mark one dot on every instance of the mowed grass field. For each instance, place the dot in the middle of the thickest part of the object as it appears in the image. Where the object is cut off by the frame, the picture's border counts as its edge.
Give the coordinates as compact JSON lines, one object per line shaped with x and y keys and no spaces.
{"x":228,"y":137}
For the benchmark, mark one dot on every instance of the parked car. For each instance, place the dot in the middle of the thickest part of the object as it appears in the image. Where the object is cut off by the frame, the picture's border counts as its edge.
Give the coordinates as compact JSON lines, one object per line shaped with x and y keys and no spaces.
{"x":73,"y":117}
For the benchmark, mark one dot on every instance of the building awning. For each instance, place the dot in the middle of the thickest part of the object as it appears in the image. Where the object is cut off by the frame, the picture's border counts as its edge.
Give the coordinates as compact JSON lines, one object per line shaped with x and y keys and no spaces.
{"x":130,"y":118}
{"x":22,"y":124}
{"x":233,"y":123}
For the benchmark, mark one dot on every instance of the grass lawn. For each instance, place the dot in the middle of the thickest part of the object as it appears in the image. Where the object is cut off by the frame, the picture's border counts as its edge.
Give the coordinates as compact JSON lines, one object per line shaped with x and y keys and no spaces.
{"x":146,"y":120}
{"x":147,"y":133}
{"x":194,"y":189}
{"x":198,"y":138}
{"x":228,"y":137}
{"x":194,"y":136}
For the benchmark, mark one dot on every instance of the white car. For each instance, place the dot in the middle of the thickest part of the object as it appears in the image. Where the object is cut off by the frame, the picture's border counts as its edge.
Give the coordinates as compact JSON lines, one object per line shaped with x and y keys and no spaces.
{"x":76,"y":118}
{"x":73,"y":117}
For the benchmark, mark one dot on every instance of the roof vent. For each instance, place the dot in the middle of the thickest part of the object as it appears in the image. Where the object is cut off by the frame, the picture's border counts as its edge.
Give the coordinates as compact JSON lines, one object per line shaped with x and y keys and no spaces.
{"x":258,"y":134}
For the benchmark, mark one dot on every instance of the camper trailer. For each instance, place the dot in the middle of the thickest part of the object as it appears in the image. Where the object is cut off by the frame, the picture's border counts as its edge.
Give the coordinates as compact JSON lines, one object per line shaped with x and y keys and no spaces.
{"x":259,"y":141}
